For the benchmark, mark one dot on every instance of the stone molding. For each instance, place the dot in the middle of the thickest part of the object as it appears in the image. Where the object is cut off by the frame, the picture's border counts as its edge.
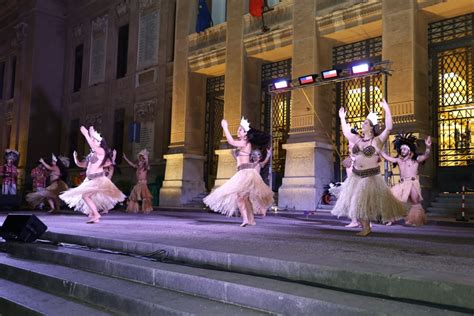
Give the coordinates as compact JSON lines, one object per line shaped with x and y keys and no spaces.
{"x":147,"y":4}
{"x":349,"y":17}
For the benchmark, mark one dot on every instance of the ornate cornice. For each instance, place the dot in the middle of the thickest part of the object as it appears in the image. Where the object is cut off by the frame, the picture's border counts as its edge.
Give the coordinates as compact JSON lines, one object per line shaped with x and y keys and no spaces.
{"x":145,"y":111}
{"x":122,"y":8}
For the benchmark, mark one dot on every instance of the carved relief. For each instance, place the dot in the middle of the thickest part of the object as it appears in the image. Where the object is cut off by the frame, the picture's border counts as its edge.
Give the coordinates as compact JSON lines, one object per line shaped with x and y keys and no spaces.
{"x":122,"y":8}
{"x":145,"y":4}
{"x":99,"y":24}
{"x":78,"y":32}
{"x":145,"y":111}
{"x":20,"y":35}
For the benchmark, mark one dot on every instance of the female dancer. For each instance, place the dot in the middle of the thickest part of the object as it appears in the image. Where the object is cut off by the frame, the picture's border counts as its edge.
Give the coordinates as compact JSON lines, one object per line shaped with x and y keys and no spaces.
{"x":365,"y":196}
{"x":97,"y":192}
{"x":245,"y":191}
{"x":408,"y":161}
{"x":57,"y":177}
{"x":140,"y":191}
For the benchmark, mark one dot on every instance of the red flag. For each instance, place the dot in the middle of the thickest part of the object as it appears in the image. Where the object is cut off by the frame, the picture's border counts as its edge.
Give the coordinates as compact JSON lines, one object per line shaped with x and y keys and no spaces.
{"x":256,"y":7}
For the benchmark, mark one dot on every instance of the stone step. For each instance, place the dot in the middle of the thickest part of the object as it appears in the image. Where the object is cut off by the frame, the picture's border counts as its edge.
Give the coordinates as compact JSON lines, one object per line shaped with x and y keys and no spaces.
{"x":276,"y":296}
{"x":17,"y":299}
{"x":451,"y":205}
{"x":116,"y":295}
{"x":392,"y":281}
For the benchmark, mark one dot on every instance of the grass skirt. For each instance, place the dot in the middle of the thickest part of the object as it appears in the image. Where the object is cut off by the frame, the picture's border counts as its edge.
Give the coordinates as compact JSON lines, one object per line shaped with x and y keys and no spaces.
{"x":416,"y":216}
{"x":50,"y":192}
{"x":140,"y":192}
{"x":246,"y":183}
{"x":368,"y":199}
{"x":104,"y":194}
{"x":402,"y":190}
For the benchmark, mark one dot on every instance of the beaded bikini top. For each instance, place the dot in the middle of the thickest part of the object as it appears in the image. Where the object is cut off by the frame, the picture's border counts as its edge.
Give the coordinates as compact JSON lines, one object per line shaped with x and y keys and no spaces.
{"x":239,"y":152}
{"x":92,"y":158}
{"x":368,"y":151}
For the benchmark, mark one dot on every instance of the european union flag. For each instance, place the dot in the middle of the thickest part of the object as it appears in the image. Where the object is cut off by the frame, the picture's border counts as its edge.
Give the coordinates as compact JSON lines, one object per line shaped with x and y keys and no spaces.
{"x":204,"y":19}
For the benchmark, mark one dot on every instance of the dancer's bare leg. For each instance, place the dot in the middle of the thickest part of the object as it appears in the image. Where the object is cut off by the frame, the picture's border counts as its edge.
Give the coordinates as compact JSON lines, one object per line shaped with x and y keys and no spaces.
{"x":243,"y":211}
{"x":365,"y":228}
{"x":53,"y":207}
{"x":250,"y":217}
{"x":94,"y":214}
{"x":353,"y":223}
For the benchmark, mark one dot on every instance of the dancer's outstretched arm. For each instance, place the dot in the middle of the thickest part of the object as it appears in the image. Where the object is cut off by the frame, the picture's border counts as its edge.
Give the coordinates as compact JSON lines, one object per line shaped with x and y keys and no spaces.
{"x":81,"y":164}
{"x":346,"y":129}
{"x":387,"y":157}
{"x":129,"y":162}
{"x":86,"y":132}
{"x":228,"y":136}
{"x":45,"y":164}
{"x":388,"y":121}
{"x":427,"y":150}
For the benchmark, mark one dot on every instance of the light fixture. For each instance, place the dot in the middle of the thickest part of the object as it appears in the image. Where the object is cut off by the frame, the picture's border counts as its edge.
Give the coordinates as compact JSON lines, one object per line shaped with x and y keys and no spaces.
{"x":330,"y":74}
{"x":308,"y":79}
{"x":360,"y":68}
{"x":281,"y":84}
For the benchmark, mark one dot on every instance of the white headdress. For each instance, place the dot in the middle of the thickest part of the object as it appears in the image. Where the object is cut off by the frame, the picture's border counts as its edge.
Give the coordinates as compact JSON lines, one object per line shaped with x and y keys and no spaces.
{"x":245,"y":124}
{"x":54,"y":158}
{"x":94,"y":134}
{"x":144,"y":153}
{"x":372,"y":117}
{"x":65,"y":161}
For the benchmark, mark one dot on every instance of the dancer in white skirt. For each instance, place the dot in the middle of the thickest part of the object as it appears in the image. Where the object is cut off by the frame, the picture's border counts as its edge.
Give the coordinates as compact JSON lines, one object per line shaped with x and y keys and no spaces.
{"x":408,"y":161}
{"x":245,"y":192}
{"x":365,"y":196}
{"x":97,"y":192}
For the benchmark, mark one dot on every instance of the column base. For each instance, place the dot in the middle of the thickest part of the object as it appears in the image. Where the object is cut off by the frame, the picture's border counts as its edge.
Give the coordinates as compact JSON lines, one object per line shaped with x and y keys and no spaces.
{"x":183,"y":179}
{"x":309,"y":167}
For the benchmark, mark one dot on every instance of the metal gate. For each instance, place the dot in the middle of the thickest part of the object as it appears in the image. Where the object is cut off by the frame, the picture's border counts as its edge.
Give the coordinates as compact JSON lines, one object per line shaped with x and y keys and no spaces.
{"x":451,"y":53}
{"x":213,"y":129}
{"x":358,"y":96}
{"x":275,"y":116}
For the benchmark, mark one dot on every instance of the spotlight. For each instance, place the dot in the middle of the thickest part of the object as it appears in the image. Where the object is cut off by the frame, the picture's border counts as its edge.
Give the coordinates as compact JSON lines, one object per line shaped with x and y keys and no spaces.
{"x":307,"y":79}
{"x":359,"y":69}
{"x":281,"y":84}
{"x":330,"y":74}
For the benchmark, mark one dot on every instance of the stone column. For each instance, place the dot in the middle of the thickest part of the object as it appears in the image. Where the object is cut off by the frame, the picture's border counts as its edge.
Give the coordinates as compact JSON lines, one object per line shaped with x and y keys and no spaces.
{"x":309,"y":151}
{"x":405,"y":44}
{"x":234,"y":89}
{"x":184,"y":161}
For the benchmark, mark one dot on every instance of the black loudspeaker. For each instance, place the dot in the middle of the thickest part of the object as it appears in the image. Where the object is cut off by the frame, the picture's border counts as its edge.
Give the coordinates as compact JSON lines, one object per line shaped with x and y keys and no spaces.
{"x":18,"y":227}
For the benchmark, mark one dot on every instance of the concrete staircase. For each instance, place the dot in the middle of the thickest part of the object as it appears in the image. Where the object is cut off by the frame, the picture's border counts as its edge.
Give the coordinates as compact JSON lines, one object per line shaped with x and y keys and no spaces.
{"x":449,"y":205}
{"x":99,"y":276}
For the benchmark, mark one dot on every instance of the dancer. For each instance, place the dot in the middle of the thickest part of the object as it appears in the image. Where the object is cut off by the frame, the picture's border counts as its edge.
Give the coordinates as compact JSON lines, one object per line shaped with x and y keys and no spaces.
{"x":245,"y":192}
{"x":140,"y":192}
{"x":109,"y":169}
{"x":260,"y":162}
{"x":57,"y":177}
{"x":39,"y":175}
{"x":347,"y":164}
{"x":409,"y":188}
{"x":9,"y":172}
{"x":365,"y":196}
{"x":97,"y":192}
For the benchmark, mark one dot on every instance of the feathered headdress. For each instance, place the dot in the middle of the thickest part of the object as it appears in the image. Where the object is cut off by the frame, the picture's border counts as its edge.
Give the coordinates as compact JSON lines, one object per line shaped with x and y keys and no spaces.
{"x":405,"y":139}
{"x":373,"y":118}
{"x":144,"y":153}
{"x":245,"y":124}
{"x":65,"y":161}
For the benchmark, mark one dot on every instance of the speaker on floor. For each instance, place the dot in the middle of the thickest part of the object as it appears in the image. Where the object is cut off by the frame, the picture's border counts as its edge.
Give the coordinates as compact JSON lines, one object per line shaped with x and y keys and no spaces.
{"x":22,"y":227}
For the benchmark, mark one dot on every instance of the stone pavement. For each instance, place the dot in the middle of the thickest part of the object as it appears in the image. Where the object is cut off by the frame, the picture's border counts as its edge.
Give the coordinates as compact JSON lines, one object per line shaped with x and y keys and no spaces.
{"x":394,"y":261}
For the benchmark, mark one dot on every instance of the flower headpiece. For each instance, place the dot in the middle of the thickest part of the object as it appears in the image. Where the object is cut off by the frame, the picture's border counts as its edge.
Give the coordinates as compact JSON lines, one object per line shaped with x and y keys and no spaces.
{"x":65,"y":161}
{"x":373,"y":118}
{"x":144,"y":153}
{"x":245,"y":124}
{"x":94,"y":134}
{"x":54,"y":158}
{"x":11,"y":154}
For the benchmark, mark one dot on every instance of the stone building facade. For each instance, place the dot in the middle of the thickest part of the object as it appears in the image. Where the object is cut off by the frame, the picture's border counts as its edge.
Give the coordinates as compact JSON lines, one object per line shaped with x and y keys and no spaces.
{"x":223,"y":72}
{"x":103,"y":63}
